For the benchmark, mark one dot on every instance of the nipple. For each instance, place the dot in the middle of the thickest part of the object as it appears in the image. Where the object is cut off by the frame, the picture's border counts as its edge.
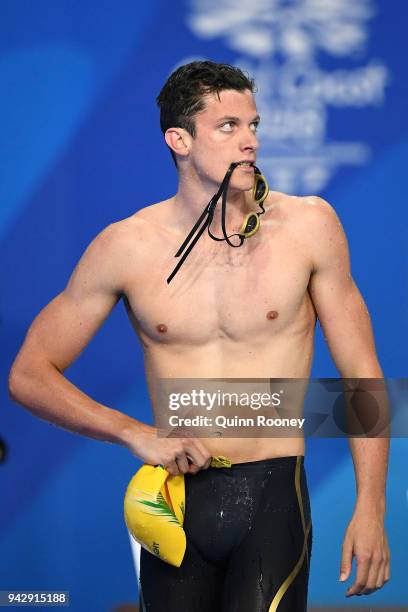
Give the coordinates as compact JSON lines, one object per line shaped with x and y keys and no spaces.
{"x":272,"y":314}
{"x":162,"y":328}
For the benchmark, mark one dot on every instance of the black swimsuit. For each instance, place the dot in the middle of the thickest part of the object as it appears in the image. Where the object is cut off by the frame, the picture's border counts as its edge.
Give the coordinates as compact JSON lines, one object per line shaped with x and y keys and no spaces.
{"x":249,"y":539}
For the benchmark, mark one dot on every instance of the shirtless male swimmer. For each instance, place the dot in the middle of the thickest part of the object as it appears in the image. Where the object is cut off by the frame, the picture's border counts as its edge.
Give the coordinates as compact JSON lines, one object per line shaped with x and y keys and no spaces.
{"x":246,"y":312}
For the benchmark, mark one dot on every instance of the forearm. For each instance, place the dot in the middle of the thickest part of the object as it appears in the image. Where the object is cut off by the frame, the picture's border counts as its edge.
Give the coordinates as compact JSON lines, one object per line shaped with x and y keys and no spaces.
{"x":48,"y":394}
{"x":369,"y":415}
{"x":370,"y":458}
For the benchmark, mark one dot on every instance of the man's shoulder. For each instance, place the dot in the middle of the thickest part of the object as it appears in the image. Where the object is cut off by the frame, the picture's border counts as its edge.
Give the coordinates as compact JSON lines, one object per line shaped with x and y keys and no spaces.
{"x":316,"y":204}
{"x":311,"y":210}
{"x":310,"y":217}
{"x":298,"y":203}
{"x":143,"y":222}
{"x":321,"y":227}
{"x":138,"y":225}
{"x":288,"y":200}
{"x":320,"y":217}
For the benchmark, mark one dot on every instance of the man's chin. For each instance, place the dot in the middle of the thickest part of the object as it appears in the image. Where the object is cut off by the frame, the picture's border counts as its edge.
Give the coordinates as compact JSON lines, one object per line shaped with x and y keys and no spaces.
{"x":241,"y":185}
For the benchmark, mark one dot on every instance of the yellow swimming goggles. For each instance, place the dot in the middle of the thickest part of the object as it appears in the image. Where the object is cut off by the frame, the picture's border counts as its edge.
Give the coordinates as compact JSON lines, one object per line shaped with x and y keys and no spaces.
{"x":249,"y":227}
{"x":259,"y":192}
{"x":154,"y":508}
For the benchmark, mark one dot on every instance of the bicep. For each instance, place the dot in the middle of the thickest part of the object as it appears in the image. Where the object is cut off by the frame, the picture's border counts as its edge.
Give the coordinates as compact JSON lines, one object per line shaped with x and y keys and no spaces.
{"x":67,"y":323}
{"x":339,"y":304}
{"x":345,"y":323}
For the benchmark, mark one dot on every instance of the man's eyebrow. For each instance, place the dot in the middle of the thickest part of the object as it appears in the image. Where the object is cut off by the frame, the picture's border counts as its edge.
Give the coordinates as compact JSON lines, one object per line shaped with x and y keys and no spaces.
{"x":236,"y":119}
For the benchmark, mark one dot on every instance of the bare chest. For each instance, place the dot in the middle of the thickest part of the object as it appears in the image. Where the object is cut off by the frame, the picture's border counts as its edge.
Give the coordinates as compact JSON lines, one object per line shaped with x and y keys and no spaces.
{"x":221,"y":292}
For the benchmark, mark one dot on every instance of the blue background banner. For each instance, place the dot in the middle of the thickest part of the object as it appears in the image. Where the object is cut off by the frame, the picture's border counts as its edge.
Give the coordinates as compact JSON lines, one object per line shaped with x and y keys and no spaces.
{"x":81,"y":147}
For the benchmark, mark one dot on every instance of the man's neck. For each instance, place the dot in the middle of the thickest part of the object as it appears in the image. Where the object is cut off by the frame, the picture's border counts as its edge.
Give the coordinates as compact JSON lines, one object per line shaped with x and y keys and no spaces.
{"x":192,"y":196}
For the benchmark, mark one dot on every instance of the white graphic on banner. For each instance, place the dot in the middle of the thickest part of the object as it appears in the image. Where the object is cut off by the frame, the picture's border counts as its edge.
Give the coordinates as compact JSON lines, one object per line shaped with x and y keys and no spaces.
{"x":280,"y":42}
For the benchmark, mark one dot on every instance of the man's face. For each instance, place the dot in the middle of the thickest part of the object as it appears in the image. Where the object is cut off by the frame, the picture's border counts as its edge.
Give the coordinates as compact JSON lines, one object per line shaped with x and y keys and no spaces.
{"x":225,"y":133}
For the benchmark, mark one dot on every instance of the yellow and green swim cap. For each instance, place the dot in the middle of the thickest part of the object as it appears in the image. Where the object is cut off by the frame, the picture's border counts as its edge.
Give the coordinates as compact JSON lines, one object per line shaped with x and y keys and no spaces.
{"x":154,"y":508}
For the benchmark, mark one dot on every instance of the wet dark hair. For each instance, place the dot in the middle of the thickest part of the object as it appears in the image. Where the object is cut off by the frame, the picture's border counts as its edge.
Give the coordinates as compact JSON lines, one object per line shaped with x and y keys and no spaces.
{"x":182,"y":96}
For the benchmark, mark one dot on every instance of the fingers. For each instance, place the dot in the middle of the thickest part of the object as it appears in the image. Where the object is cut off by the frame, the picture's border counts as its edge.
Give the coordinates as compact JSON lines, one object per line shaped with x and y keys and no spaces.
{"x":200,"y":458}
{"x":387,"y":573}
{"x":363,"y":567}
{"x":189,"y":456}
{"x":371,"y":575}
{"x":178,"y":465}
{"x":387,"y":561}
{"x":172,"y":468}
{"x":381,"y":576}
{"x":384,"y":573}
{"x":369,"y":546}
{"x":346,"y":560}
{"x":376,"y":570}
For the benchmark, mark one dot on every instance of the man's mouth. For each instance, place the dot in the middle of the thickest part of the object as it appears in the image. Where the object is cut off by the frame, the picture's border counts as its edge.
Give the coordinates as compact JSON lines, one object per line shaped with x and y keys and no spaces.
{"x":246,"y":166}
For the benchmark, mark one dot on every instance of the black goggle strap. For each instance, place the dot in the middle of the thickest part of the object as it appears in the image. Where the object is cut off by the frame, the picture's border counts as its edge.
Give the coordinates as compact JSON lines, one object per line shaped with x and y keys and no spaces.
{"x":190,"y":246}
{"x":223,"y":220}
{"x":224,"y":212}
{"x":208,"y":210}
{"x":241,"y":234}
{"x":203,"y":215}
{"x":206,"y":218}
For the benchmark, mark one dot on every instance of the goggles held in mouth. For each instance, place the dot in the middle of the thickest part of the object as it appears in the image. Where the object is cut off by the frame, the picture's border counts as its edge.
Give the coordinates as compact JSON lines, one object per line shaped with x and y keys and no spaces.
{"x":249,"y":227}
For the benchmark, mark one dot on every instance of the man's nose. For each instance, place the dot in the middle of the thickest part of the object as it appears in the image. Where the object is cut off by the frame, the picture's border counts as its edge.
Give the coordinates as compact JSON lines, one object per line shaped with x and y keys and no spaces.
{"x":249,"y":141}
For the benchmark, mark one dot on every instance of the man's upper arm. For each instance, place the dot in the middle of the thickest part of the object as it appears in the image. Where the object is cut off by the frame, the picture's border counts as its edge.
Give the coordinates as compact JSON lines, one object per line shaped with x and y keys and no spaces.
{"x":340,"y":307}
{"x":66,"y":325}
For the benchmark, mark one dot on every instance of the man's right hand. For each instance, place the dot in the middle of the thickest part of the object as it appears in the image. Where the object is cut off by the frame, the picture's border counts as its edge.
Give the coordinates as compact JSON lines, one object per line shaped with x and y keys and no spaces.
{"x":176,"y":455}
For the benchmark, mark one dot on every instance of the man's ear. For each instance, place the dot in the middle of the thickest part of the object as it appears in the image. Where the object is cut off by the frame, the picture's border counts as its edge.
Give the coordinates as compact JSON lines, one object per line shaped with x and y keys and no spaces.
{"x":179,"y":140}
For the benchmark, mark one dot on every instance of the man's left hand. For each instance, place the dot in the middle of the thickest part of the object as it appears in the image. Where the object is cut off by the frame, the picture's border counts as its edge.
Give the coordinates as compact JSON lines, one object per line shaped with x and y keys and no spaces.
{"x":366,"y":540}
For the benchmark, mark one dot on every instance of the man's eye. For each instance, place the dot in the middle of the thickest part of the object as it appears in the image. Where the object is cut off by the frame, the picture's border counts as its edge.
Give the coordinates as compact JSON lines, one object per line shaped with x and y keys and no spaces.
{"x":227,"y":127}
